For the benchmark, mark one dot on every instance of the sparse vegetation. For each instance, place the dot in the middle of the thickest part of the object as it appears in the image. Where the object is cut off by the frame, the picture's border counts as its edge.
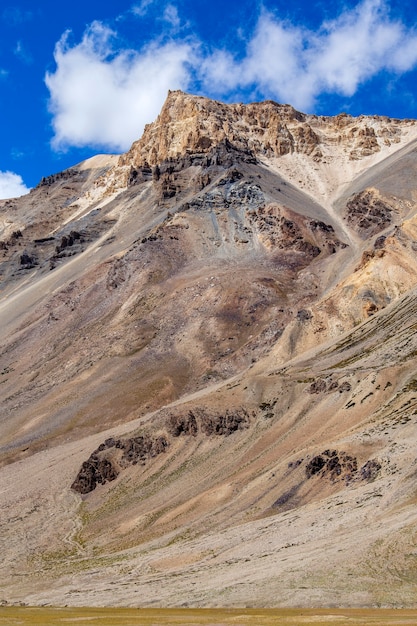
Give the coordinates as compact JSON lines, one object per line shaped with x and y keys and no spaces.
{"x":27,"y":616}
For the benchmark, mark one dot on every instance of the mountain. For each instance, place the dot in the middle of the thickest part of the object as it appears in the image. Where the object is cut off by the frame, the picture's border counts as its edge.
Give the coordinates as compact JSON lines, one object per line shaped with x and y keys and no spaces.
{"x":208,"y":366}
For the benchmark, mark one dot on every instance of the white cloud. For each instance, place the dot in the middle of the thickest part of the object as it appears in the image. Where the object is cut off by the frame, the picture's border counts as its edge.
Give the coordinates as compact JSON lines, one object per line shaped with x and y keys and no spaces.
{"x":165,"y":12}
{"x":103,"y":98}
{"x":357,"y":46}
{"x":171,"y":16}
{"x":273,"y":64}
{"x":296,"y":65}
{"x":142,"y":7}
{"x":11,"y":185}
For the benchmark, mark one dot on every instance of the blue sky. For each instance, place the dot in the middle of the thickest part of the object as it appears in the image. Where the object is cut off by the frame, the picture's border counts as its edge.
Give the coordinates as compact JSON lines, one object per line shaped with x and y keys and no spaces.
{"x":82,"y":77}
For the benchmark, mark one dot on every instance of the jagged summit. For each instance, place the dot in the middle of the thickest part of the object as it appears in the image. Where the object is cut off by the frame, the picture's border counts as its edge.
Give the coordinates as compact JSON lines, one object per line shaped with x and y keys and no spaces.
{"x":207,"y":366}
{"x":193,"y":124}
{"x":317,"y":153}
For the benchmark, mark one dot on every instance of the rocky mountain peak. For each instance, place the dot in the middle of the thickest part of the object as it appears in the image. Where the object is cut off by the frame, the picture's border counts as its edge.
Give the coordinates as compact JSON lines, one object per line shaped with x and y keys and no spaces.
{"x":189,"y":124}
{"x":194,"y":124}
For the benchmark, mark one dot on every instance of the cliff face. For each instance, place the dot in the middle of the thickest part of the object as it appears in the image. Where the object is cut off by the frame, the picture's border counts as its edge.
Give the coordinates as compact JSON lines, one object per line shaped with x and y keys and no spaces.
{"x":189,"y":124}
{"x":208,"y":347}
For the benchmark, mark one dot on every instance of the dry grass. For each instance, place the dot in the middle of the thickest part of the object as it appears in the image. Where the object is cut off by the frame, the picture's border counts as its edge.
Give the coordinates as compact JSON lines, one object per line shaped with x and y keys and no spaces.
{"x":26,"y":616}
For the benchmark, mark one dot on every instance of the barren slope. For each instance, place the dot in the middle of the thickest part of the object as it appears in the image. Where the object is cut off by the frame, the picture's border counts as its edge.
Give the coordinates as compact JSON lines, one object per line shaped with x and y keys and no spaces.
{"x":208,"y":366}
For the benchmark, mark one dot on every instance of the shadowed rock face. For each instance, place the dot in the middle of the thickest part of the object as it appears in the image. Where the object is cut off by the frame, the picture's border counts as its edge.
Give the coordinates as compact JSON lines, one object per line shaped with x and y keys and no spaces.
{"x":333,"y":464}
{"x":94,"y":471}
{"x":111,"y":457}
{"x":105,"y":463}
{"x":204,"y":421}
{"x":211,"y":339}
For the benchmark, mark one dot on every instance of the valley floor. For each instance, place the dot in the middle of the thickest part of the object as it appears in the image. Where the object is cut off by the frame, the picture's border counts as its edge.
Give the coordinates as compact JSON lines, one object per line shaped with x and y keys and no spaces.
{"x":27,"y":616}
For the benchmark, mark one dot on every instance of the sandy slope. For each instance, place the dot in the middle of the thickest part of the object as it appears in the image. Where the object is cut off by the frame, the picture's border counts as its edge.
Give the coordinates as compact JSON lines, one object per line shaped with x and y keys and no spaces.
{"x":329,"y":552}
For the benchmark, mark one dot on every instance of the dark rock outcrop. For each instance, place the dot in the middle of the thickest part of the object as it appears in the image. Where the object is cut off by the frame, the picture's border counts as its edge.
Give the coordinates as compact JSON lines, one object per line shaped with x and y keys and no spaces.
{"x":182,"y":425}
{"x":368,"y":214}
{"x":106,"y":462}
{"x":329,"y":465}
{"x":332,"y":464}
{"x":281,"y":229}
{"x":94,"y":471}
{"x":318,"y":386}
{"x":225,"y":424}
{"x":27,"y":261}
{"x":370,"y":470}
{"x":114,"y":455}
{"x":207,"y":422}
